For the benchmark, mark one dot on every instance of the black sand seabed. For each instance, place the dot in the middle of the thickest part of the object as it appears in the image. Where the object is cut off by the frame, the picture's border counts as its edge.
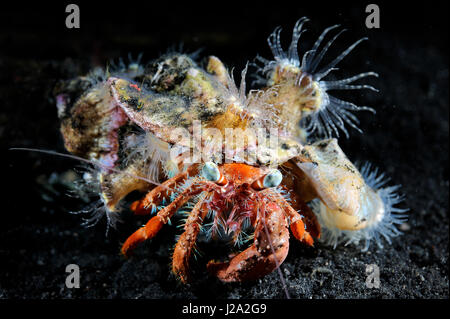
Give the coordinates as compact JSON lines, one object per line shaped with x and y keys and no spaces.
{"x":407,"y":138}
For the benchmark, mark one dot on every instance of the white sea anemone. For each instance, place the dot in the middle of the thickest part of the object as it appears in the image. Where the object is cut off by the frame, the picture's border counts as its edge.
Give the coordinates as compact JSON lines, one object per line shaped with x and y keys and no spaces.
{"x":377,"y":216}
{"x":324,"y":114}
{"x":90,"y":187}
{"x":255,"y":105}
{"x":130,"y":70}
{"x":154,"y":151}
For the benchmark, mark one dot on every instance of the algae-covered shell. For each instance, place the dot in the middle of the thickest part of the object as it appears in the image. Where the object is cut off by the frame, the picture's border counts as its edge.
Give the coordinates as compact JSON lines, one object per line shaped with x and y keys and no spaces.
{"x":189,"y":114}
{"x":207,"y":107}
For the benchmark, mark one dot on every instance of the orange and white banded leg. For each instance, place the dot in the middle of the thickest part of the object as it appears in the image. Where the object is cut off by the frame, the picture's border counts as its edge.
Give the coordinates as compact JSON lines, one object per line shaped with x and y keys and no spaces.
{"x":155,"y":224}
{"x":186,"y":242}
{"x":155,"y":197}
{"x":269,"y":249}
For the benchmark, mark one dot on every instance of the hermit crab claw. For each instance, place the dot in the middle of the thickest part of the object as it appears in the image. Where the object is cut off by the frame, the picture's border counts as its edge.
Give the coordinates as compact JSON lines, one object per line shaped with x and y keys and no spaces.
{"x":269,"y":249}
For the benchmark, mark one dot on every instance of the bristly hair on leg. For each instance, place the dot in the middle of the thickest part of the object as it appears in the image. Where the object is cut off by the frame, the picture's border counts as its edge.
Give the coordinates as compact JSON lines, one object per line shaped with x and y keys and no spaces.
{"x":327,"y":114}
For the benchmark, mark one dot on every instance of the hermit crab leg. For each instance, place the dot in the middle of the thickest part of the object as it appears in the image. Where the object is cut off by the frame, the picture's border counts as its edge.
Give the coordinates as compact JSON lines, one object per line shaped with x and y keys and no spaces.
{"x":298,"y":228}
{"x":269,"y":249}
{"x":310,"y":220}
{"x":155,"y":224}
{"x":154,"y":198}
{"x":186,"y":242}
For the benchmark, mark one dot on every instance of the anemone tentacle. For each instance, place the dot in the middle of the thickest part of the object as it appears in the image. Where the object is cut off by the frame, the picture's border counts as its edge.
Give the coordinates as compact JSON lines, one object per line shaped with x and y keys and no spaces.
{"x":329,"y":115}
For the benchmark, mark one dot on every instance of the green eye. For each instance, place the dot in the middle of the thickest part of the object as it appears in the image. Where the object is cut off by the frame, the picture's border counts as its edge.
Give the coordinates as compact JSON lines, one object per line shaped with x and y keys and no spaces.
{"x":211,"y":172}
{"x":273,"y":179}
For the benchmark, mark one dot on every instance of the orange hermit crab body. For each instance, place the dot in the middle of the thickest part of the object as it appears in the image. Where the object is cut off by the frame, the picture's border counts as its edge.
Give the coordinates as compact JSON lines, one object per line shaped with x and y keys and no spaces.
{"x":235,"y":197}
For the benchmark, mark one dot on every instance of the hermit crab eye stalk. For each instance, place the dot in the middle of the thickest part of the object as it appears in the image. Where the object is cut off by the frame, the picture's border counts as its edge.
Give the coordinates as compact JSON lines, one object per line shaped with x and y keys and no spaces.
{"x":211,"y":172}
{"x":273,"y":179}
{"x":270,"y":180}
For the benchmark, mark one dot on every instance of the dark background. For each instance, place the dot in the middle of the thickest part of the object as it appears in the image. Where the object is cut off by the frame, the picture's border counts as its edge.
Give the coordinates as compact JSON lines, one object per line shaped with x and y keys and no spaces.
{"x":407,"y":138}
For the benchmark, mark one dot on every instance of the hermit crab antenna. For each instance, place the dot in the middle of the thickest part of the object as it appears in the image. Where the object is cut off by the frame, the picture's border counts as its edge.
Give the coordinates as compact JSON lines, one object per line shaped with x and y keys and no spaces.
{"x":277,"y":263}
{"x":102,"y":166}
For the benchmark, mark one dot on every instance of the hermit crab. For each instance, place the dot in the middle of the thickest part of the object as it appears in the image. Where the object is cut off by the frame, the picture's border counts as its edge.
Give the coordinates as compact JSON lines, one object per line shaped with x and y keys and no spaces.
{"x":246,"y":166}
